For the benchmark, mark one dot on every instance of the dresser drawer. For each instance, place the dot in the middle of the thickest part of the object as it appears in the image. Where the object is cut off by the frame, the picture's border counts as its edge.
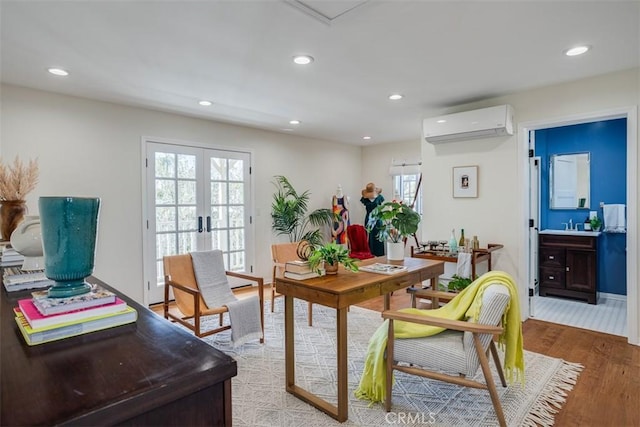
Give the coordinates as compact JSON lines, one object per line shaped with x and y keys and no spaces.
{"x":552,"y":277}
{"x":552,"y":257}
{"x":579,"y":242}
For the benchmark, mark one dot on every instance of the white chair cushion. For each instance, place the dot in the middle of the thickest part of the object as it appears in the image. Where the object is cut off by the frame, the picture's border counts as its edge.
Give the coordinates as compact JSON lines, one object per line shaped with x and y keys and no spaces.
{"x":442,"y":352}
{"x":454,"y":351}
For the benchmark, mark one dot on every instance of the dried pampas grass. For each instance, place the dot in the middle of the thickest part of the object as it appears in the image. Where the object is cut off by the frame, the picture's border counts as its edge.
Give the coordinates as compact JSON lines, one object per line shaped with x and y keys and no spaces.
{"x":18,"y":179}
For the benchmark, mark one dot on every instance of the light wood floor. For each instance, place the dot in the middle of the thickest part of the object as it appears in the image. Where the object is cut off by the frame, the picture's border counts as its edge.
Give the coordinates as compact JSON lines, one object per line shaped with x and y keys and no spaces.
{"x":608,"y":390}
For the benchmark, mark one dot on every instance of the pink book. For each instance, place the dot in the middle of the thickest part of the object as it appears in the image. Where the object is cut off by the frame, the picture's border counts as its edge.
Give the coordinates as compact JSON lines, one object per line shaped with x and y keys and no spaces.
{"x":38,"y":321}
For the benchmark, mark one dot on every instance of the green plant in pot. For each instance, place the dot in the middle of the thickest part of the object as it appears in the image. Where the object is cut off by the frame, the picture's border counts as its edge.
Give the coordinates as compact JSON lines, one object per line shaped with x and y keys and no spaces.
{"x":456,"y":284}
{"x":395,"y":221}
{"x":596,"y":223}
{"x":290,"y":216}
{"x":332,"y":254}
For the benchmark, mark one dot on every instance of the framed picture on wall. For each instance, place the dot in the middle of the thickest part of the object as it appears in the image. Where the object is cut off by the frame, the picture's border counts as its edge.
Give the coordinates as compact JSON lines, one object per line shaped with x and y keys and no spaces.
{"x":465,"y":181}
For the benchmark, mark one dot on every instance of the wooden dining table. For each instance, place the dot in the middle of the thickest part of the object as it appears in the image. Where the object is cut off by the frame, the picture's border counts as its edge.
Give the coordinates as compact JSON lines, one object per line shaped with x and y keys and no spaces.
{"x":339,"y":292}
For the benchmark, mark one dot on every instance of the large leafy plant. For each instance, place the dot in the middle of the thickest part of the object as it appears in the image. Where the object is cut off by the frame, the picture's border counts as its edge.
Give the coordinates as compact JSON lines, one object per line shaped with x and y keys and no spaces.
{"x":290,"y":217}
{"x":395,"y":221}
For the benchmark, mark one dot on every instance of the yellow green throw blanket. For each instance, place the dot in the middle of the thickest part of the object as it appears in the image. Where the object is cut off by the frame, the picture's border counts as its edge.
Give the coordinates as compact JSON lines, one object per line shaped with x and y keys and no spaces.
{"x":464,"y":306}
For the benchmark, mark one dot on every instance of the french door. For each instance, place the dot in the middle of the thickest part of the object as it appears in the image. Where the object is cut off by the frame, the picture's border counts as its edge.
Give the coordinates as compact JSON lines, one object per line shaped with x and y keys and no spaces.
{"x":196,"y":199}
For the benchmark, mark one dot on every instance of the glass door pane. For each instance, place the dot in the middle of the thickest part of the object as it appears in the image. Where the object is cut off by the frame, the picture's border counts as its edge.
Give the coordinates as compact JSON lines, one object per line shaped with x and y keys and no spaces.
{"x":173,"y":203}
{"x":229,"y":188}
{"x":197,"y":199}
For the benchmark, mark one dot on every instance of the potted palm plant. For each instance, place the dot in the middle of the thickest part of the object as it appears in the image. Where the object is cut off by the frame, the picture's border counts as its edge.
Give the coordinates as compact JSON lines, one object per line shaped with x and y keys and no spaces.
{"x":395,"y":221}
{"x":290,"y":216}
{"x":332,"y":254}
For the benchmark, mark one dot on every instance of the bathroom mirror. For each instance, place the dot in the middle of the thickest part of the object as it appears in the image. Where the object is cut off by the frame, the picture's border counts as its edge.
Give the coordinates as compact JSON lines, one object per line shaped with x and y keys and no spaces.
{"x":569,"y":180}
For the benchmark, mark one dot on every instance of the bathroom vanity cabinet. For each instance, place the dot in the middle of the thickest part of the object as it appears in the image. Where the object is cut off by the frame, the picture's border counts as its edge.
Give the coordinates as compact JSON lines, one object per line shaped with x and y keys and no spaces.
{"x":568,"y":266}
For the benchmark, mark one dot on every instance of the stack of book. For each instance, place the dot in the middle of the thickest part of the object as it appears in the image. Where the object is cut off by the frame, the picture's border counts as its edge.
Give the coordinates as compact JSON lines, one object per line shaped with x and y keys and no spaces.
{"x":16,"y":279}
{"x":10,"y":257}
{"x":42,"y":319}
{"x":300,"y":270}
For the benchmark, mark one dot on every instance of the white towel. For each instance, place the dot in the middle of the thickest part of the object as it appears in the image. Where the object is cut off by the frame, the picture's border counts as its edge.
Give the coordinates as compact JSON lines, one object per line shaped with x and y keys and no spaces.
{"x":463,"y":267}
{"x":244,"y":314}
{"x":614,"y":218}
{"x":208,"y":267}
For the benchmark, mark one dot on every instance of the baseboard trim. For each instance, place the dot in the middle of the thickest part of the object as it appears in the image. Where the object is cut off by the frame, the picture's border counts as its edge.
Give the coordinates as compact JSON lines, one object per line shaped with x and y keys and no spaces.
{"x":613,"y":297}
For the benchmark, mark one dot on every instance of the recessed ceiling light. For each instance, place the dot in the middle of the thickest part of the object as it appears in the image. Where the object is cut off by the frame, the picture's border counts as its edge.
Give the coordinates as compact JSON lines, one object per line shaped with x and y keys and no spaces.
{"x":441,"y":121}
{"x":366,"y":137}
{"x":578,"y":50}
{"x":58,"y":71}
{"x":294,"y":122}
{"x":395,"y":96}
{"x":303,"y":59}
{"x":205,"y":103}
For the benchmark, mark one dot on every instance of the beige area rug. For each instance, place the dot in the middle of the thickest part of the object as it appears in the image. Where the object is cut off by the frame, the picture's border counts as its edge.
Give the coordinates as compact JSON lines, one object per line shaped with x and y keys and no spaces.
{"x":260,"y":399}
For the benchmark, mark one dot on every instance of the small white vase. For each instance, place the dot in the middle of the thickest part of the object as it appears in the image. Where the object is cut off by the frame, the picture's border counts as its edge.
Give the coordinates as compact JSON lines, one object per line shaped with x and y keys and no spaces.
{"x":395,"y":251}
{"x":26,"y":239}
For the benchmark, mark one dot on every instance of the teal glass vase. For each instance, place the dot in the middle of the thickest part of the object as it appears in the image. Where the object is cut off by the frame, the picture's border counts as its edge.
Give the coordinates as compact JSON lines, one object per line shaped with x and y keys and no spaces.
{"x":69,"y":230}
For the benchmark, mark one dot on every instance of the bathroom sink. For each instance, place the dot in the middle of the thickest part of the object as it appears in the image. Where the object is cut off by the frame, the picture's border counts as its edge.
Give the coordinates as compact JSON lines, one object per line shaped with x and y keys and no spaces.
{"x":571,"y":232}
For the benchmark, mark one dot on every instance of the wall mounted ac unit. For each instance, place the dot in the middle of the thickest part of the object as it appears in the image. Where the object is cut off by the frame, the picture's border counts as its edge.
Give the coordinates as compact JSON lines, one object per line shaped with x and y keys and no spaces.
{"x":483,"y":123}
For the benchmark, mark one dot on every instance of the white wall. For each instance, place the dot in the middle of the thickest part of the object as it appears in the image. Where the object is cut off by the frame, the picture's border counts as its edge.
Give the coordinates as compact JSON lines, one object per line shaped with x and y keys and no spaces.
{"x":91,"y":148}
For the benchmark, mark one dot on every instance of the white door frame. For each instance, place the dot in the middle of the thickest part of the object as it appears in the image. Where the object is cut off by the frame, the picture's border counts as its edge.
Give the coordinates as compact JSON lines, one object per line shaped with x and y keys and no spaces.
{"x":250,"y":229}
{"x":633,"y":293}
{"x":534,"y":214}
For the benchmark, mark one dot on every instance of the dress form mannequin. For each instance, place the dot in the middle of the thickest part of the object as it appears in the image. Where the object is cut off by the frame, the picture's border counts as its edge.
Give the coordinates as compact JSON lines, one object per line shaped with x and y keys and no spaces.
{"x":340,"y":207}
{"x":372,"y":198}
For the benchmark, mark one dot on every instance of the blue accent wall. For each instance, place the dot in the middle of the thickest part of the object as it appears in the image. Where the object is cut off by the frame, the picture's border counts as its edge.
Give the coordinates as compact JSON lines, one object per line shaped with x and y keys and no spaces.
{"x":607,"y":142}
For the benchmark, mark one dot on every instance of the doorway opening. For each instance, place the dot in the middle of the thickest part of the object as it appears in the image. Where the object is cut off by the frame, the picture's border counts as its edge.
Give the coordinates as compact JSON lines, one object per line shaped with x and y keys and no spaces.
{"x":528,"y":259}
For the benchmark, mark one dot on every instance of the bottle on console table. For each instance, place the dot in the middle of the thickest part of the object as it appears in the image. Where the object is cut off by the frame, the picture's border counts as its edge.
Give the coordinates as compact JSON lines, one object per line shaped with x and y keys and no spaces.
{"x":461,"y":241}
{"x":453,"y":243}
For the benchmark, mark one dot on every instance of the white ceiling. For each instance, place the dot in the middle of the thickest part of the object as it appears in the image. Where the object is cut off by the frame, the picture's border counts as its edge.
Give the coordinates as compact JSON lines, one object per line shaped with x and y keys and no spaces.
{"x":167,"y":55}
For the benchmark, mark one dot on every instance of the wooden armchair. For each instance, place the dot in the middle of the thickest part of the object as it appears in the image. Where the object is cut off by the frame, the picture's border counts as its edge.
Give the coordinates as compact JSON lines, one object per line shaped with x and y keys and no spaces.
{"x":281,"y":253}
{"x":180,"y":277}
{"x":454,"y":354}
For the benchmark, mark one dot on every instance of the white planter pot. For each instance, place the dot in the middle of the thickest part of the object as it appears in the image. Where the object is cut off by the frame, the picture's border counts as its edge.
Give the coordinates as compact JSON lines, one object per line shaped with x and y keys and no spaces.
{"x":395,"y":251}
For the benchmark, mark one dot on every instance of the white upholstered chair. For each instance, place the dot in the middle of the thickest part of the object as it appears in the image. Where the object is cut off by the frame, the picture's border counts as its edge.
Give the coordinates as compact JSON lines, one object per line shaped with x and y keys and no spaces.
{"x":455,"y":354}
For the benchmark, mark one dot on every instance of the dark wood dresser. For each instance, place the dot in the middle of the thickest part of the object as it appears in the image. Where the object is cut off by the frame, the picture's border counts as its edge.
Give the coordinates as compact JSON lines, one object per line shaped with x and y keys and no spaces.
{"x":147,"y":373}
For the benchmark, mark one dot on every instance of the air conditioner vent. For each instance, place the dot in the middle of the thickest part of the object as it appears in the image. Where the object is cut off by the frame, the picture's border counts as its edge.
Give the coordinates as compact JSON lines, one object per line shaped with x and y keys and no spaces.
{"x":483,"y":123}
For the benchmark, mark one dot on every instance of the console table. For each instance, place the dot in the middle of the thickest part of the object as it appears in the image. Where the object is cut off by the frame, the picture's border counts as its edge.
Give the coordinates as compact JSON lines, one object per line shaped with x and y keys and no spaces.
{"x":477,"y":256}
{"x":147,"y":373}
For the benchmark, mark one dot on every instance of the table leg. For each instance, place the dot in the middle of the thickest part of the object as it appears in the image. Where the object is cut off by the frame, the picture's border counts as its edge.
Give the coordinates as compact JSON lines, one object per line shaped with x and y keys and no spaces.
{"x":343,"y":373}
{"x":261,"y":297}
{"x":290,"y":354}
{"x":341,"y":411}
{"x":435,"y":301}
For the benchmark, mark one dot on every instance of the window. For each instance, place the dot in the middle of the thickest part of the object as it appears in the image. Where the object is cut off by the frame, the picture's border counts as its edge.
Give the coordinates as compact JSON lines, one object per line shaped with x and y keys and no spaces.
{"x":406,"y":184}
